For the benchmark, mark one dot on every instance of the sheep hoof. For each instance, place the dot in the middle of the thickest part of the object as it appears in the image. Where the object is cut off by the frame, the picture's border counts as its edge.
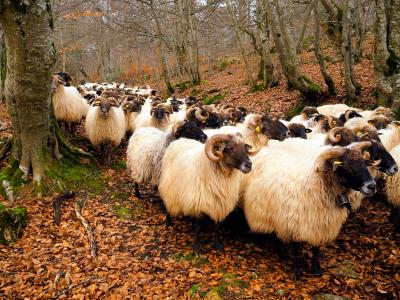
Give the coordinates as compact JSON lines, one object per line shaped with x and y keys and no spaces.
{"x":168,"y":220}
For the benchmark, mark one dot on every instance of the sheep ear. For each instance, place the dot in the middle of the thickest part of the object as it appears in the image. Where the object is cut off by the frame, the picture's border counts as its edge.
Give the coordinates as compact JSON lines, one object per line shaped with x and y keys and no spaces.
{"x":308,"y":130}
{"x":366,"y":155}
{"x":372,"y":122}
{"x":396,"y":124}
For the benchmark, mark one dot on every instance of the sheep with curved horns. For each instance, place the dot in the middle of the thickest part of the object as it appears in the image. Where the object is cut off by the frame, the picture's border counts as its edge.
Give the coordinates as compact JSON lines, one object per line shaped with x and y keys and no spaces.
{"x":158,"y":117}
{"x":392,"y":189}
{"x":306,"y":114}
{"x":348,"y":114}
{"x":209,"y":177}
{"x":68,"y":105}
{"x":147,"y":146}
{"x":378,"y":121}
{"x":105,"y":123}
{"x":308,"y":208}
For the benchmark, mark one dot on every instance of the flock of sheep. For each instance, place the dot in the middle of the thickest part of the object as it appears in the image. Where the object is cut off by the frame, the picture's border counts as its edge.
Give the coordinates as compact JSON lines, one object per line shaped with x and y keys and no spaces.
{"x":299,"y":179}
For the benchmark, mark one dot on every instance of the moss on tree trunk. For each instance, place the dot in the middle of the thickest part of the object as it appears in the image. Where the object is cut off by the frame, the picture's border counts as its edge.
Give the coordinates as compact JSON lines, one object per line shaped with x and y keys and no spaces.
{"x":12,"y":224}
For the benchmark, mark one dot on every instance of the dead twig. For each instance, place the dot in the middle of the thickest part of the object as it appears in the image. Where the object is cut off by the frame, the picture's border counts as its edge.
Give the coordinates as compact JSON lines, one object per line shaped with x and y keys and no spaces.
{"x":66,"y":290}
{"x":89,"y":230}
{"x":57,"y":204}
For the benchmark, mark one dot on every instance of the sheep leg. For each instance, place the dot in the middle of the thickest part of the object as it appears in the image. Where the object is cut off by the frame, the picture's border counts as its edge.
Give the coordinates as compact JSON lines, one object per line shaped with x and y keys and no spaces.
{"x":168,"y":219}
{"x":218,"y":243}
{"x":315,"y":266}
{"x":196,"y":228}
{"x":296,"y":252}
{"x":137,"y":191}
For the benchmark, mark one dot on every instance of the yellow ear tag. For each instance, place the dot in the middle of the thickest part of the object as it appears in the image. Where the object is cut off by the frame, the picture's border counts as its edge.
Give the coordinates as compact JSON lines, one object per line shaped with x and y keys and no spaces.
{"x":337,"y":163}
{"x":396,"y":125}
{"x":258,"y":129}
{"x":204,"y":121}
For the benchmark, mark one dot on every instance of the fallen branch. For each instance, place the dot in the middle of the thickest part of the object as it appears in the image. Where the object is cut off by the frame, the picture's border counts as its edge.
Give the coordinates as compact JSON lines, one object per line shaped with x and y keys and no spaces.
{"x":89,"y":230}
{"x":57,"y":204}
{"x":66,"y":290}
{"x":5,"y":147}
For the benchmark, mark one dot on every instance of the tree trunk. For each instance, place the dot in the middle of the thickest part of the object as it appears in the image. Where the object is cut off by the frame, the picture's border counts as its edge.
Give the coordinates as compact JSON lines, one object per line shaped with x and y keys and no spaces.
{"x":3,"y":65}
{"x":387,"y":53}
{"x":287,"y":54}
{"x":238,"y":36}
{"x":194,"y":47}
{"x":352,"y":87}
{"x":299,"y":47}
{"x":30,"y":58}
{"x":318,"y":52}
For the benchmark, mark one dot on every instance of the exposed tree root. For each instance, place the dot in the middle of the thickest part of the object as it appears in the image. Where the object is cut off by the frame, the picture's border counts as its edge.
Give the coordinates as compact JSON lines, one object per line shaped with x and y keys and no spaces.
{"x":57,"y":204}
{"x":89,"y":230}
{"x":5,"y":148}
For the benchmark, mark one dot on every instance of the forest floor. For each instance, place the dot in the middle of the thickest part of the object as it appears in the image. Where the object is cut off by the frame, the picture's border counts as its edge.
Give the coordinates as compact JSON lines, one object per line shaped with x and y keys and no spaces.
{"x":139,"y":257}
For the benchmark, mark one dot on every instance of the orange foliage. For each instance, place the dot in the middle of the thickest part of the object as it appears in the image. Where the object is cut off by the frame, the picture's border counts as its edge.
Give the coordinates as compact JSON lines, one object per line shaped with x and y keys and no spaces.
{"x":78,"y":15}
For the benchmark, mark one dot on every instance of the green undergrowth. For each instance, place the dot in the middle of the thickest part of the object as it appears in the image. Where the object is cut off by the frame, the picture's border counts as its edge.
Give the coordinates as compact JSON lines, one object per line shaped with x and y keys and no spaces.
{"x":12,"y":224}
{"x":126,"y":210}
{"x":294,"y":110}
{"x":220,"y":291}
{"x":122,"y":212}
{"x":194,"y":260}
{"x":13,"y":175}
{"x":68,"y":175}
{"x":210,"y":99}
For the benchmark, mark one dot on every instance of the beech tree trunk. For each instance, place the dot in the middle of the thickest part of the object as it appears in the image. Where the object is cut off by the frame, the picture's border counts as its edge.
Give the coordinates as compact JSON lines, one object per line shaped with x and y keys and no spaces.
{"x":318,"y":52}
{"x":3,"y":64}
{"x":287,"y":53}
{"x":387,"y":53}
{"x":28,"y":30}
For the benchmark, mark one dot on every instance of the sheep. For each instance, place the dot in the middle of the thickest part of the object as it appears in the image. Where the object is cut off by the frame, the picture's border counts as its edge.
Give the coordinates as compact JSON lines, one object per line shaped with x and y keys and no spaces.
{"x":307,"y":113}
{"x":390,"y":137}
{"x":158,"y":117}
{"x":255,"y":132}
{"x":68,"y":105}
{"x":147,"y":146}
{"x":378,"y":121}
{"x":332,"y":110}
{"x":209,"y":177}
{"x":298,"y":130}
{"x":393,"y":194}
{"x":341,"y":136}
{"x":66,"y":77}
{"x":348,"y":114}
{"x":326,"y":123}
{"x":105,"y":123}
{"x":272,"y":202}
{"x":131,"y":110}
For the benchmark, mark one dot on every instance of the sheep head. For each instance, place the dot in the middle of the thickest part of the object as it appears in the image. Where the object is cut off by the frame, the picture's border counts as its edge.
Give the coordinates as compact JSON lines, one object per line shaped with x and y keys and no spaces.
{"x":274,"y":129}
{"x":189,"y":130}
{"x":230,"y":151}
{"x":161,"y":111}
{"x":131,"y":106}
{"x":56,"y":81}
{"x":298,"y":130}
{"x":379,"y":122}
{"x":342,"y":136}
{"x":105,"y":104}
{"x":377,"y":156}
{"x":198,"y":115}
{"x":367,"y":133}
{"x":348,"y":167}
{"x":308,"y":112}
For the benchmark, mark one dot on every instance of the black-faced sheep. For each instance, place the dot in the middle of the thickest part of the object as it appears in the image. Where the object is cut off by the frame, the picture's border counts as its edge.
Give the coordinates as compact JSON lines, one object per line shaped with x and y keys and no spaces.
{"x":297,"y":194}
{"x":158,"y":116}
{"x":209,"y":177}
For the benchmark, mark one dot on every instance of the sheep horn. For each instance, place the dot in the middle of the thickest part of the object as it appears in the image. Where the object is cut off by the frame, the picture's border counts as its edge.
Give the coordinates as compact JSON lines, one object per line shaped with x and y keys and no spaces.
{"x":253,"y":150}
{"x":190,"y":111}
{"x":334,"y":134}
{"x":320,"y":162}
{"x":176,"y":126}
{"x":362,"y":146}
{"x":347,"y":114}
{"x":199,"y":116}
{"x":211,"y":143}
{"x":331,"y":122}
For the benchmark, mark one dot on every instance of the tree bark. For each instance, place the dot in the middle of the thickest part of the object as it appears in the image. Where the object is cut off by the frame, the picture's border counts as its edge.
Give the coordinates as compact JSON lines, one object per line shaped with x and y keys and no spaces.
{"x":287,"y":54}
{"x":30,"y":58}
{"x":299,"y":47}
{"x":318,"y":52}
{"x":238,"y":36}
{"x":3,"y":65}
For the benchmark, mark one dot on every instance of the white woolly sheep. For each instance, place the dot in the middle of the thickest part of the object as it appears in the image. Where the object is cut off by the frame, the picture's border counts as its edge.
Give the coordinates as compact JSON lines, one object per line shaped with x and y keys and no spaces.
{"x":392,"y":189}
{"x":299,"y":197}
{"x":68,"y":105}
{"x":105,"y":123}
{"x":147,"y":146}
{"x":158,"y":116}
{"x":199,"y":179}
